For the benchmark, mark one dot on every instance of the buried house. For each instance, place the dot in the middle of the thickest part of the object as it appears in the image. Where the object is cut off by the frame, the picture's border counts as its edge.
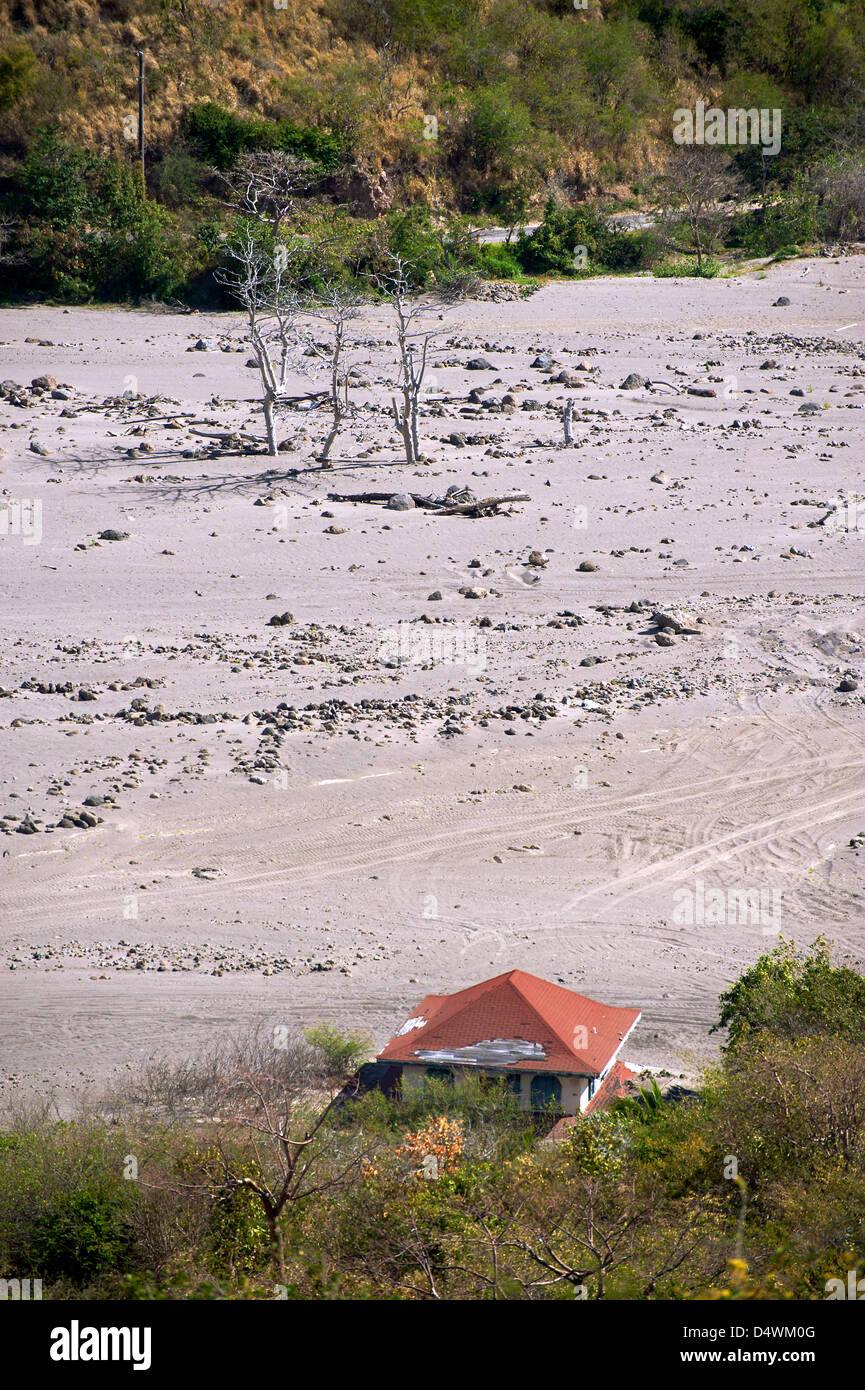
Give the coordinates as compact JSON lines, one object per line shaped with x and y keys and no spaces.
{"x":555,"y":1049}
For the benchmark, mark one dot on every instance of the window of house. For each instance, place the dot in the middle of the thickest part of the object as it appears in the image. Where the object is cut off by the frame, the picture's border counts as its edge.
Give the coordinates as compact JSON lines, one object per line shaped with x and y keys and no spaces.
{"x":546,"y":1092}
{"x":440,"y":1074}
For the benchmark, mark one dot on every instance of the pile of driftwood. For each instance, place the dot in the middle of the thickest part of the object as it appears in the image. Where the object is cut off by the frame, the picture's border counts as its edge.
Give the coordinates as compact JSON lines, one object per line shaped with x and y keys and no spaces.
{"x":461,"y":504}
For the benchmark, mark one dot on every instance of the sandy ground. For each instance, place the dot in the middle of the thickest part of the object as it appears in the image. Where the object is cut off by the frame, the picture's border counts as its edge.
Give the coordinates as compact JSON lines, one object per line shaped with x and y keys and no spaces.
{"x":523,"y":810}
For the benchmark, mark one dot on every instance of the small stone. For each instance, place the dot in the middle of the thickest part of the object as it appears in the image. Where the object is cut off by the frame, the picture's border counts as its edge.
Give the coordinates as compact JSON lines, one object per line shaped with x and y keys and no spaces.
{"x":469,"y":591}
{"x":587,"y":566}
{"x":780,"y":302}
{"x":45,"y":383}
{"x":479,"y":364}
{"x":112,"y":535}
{"x":435,"y":596}
{"x":848,"y":683}
{"x":400,"y":502}
{"x":633,"y":382}
{"x":335,"y":530}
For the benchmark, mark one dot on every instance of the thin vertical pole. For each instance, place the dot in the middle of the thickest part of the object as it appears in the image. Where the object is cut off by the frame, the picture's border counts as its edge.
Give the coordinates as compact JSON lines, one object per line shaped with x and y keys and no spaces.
{"x":141,"y":117}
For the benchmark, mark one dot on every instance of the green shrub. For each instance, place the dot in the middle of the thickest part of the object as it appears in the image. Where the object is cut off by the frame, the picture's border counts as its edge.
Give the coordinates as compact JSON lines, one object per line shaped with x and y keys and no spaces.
{"x":549,"y":249}
{"x":497,"y":129}
{"x":499,"y":262}
{"x":17,"y":72}
{"x":709,"y":269}
{"x":342,"y":1052}
{"x":82,"y":1236}
{"x":793,"y":217}
{"x":88,"y":231}
{"x":218,"y":136}
{"x":791,"y":996}
{"x":179,"y":179}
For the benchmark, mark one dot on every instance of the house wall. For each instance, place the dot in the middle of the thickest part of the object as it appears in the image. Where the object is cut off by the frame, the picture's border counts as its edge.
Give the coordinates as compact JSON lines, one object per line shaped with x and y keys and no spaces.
{"x":575,"y":1089}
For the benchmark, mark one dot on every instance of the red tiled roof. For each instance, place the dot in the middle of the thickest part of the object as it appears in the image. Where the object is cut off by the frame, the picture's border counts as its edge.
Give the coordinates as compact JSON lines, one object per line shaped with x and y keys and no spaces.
{"x":570,"y":1032}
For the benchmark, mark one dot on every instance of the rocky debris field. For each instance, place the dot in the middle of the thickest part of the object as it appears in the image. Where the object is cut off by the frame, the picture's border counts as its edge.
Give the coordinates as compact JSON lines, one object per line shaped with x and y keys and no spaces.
{"x":359,"y":731}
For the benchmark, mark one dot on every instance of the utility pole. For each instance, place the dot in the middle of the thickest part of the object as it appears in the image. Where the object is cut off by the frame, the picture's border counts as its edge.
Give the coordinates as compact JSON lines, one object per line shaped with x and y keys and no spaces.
{"x":141,"y":118}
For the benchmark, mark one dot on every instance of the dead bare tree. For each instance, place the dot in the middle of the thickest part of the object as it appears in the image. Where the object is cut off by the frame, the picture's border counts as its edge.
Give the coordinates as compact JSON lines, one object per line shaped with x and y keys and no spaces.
{"x":692,"y":190}
{"x":268,"y":185}
{"x":588,"y":1231}
{"x":264,"y":280}
{"x":335,"y":305}
{"x":281,"y":1147}
{"x":266,"y":267}
{"x":8,"y":236}
{"x":413,"y":340}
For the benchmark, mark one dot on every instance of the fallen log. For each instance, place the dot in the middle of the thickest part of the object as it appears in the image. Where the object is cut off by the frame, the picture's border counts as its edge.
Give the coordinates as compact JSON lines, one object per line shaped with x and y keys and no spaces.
{"x":478,"y":507}
{"x":483,"y":506}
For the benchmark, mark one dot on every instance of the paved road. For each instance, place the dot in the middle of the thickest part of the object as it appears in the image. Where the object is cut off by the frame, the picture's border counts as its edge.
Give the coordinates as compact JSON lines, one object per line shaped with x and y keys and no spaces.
{"x":630,"y":221}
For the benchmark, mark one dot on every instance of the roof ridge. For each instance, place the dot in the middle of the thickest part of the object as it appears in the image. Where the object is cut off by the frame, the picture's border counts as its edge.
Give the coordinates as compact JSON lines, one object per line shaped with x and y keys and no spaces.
{"x":567,"y":1043}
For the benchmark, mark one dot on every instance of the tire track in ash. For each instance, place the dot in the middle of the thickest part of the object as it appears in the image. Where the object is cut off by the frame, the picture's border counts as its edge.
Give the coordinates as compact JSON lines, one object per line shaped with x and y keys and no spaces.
{"x":323,"y":859}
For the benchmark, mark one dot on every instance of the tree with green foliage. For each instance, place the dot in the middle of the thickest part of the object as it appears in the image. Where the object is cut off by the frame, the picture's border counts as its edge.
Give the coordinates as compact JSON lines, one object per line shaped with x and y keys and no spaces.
{"x":792,"y":995}
{"x":343,"y":1052}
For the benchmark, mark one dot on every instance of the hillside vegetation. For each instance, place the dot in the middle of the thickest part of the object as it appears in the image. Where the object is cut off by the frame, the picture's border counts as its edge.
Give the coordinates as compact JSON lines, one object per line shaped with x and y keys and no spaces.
{"x":464,"y":107}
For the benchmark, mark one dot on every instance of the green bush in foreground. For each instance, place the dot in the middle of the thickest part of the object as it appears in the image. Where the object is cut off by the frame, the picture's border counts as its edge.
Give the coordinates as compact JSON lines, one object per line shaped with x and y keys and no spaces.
{"x":754,"y":1188}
